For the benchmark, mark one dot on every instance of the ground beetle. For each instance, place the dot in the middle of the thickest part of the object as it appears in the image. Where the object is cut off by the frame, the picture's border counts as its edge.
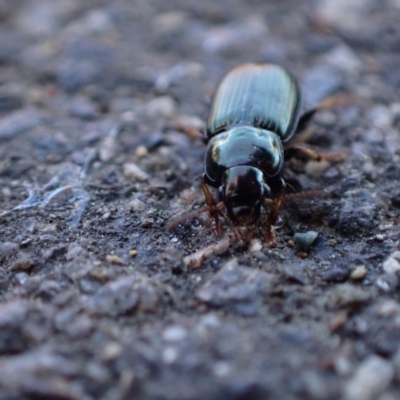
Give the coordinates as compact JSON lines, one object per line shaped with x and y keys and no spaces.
{"x":255,"y":109}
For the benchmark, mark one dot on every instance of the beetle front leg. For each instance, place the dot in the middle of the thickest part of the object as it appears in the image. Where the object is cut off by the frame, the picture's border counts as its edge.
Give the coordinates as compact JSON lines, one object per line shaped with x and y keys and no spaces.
{"x":213,"y":208}
{"x":275,"y":206}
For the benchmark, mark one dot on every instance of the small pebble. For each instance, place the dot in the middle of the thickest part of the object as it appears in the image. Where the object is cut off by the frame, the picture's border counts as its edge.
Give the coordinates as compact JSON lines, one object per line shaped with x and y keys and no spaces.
{"x":337,"y":321}
{"x":141,"y":151}
{"x":302,"y":254}
{"x":111,"y":351}
{"x":370,"y":379}
{"x":18,"y":122}
{"x":83,"y":109}
{"x":7,"y":248}
{"x":163,"y":106}
{"x":388,"y":308}
{"x":346,"y":295}
{"x":188,"y":196}
{"x":392,"y":264}
{"x":174,"y":333}
{"x":23,"y":262}
{"x":387,"y":282}
{"x":380,"y":116}
{"x":343,"y":58}
{"x":134,"y":173}
{"x":133,"y":253}
{"x":255,"y":245}
{"x":305,"y":240}
{"x":359,"y":273}
{"x":136,"y":205}
{"x":114,"y":259}
{"x":169,"y":22}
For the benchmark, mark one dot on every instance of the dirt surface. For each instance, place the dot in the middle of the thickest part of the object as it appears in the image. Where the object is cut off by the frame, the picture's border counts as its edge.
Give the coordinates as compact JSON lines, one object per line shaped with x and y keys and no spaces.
{"x":99,"y":106}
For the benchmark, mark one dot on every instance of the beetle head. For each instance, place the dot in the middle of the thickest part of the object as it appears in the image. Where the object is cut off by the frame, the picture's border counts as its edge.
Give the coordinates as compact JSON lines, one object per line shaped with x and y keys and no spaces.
{"x":242,"y":191}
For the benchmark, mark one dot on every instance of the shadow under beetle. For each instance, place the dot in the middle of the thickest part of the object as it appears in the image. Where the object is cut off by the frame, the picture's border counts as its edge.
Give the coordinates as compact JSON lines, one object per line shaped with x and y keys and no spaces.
{"x":255,"y":109}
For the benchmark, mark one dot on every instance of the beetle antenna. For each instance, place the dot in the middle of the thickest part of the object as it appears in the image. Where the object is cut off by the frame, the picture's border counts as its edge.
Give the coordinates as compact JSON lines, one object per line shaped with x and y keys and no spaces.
{"x":197,"y":177}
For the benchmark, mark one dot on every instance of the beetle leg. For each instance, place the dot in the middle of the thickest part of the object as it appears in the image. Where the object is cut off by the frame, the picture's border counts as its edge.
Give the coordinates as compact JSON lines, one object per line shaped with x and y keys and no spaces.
{"x":274,"y":212}
{"x":297,"y":151}
{"x":213,"y":208}
{"x":300,"y":151}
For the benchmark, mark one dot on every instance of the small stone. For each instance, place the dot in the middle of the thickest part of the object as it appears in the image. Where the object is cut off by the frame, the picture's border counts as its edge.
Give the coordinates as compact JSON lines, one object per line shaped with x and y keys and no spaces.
{"x":170,"y":355}
{"x":133,"y":253}
{"x":134,"y":173}
{"x":347,"y":295}
{"x":388,"y":308}
{"x":371,"y":378}
{"x":23,"y":262}
{"x":112,"y":258}
{"x":255,"y":245}
{"x":174,"y":333}
{"x":111,"y":351}
{"x":74,"y":251}
{"x":18,"y":123}
{"x":392,"y":264}
{"x":387,"y":282}
{"x":305,"y":240}
{"x":240,"y":288}
{"x":141,"y":151}
{"x":188,"y":196}
{"x":337,"y":321}
{"x":336,"y":273}
{"x":83,"y":109}
{"x":343,"y":58}
{"x":359,"y":273}
{"x":7,"y":248}
{"x":163,"y":106}
{"x":136,"y":205}
{"x":170,"y":22}
{"x":380,"y":116}
{"x":147,"y":222}
{"x":359,"y":213}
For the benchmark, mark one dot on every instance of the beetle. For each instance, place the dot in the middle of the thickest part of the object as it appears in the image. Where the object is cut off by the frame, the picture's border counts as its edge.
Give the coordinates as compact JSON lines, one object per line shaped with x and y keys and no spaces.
{"x":254,"y":111}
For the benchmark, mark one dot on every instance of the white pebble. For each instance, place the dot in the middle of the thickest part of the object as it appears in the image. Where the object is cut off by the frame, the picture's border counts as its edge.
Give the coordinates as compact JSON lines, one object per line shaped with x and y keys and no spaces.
{"x":134,"y":173}
{"x":370,"y":379}
{"x":392,"y":264}
{"x":136,"y":205}
{"x":174,"y":333}
{"x":163,"y":106}
{"x":344,"y":58}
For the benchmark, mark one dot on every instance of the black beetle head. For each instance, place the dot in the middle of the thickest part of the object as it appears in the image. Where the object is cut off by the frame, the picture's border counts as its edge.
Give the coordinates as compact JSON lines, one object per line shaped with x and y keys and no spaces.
{"x":242,"y":191}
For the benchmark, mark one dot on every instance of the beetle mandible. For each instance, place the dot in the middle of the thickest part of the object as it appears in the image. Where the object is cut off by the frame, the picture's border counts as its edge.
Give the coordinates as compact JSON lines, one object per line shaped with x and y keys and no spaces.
{"x":255,"y":109}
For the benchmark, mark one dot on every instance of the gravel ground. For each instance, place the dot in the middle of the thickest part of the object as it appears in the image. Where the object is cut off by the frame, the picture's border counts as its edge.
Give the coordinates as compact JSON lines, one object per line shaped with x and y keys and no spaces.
{"x":100,"y":102}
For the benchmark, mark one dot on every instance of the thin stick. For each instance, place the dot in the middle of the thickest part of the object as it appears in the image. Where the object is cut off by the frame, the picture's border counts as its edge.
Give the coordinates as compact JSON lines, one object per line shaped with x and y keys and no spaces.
{"x":180,"y":218}
{"x":196,"y":259}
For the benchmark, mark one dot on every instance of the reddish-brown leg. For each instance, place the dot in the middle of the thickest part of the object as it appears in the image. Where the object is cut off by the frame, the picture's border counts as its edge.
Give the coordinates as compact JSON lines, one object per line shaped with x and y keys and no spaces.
{"x":300,"y":151}
{"x":275,"y":206}
{"x":213,"y":208}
